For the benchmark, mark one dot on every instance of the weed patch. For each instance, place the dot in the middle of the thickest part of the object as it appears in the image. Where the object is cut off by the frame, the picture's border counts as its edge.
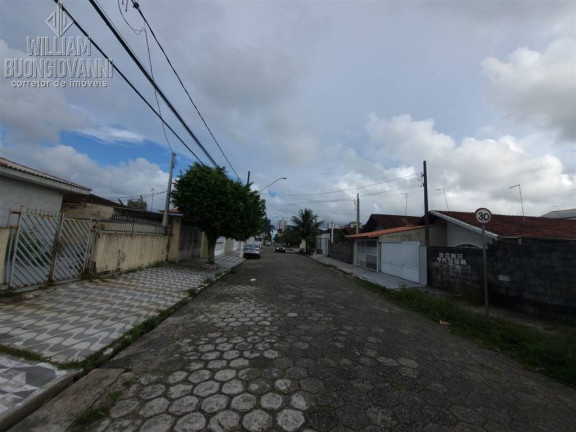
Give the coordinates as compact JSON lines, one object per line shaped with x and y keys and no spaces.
{"x":552,"y":354}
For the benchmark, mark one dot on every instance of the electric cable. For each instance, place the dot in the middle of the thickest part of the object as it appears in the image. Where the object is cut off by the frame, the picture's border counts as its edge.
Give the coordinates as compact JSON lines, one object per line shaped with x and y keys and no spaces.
{"x":128,"y":81}
{"x":136,"y":6}
{"x":138,"y":63}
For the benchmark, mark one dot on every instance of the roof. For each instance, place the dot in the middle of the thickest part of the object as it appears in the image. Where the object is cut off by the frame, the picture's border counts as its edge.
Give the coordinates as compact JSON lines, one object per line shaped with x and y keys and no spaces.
{"x":374,"y":234}
{"x":76,"y":198}
{"x":386,"y":221}
{"x":561,"y":214}
{"x":17,"y":171}
{"x":514,"y":226}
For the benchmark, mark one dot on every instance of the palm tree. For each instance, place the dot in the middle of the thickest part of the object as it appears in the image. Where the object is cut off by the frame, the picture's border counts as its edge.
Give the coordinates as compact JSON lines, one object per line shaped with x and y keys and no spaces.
{"x":306,"y":224}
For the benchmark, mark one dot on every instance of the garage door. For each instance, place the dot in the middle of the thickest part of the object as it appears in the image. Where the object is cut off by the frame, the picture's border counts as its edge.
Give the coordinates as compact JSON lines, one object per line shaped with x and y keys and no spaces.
{"x":401,"y":259}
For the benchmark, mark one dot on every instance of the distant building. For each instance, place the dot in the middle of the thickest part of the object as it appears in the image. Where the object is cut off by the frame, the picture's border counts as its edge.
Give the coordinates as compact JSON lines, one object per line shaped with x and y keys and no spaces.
{"x":282,"y":224}
{"x":561,"y":214}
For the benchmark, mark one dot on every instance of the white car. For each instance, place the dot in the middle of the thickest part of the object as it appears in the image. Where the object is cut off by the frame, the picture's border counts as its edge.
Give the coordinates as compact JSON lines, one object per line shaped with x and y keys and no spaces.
{"x":252,"y":250}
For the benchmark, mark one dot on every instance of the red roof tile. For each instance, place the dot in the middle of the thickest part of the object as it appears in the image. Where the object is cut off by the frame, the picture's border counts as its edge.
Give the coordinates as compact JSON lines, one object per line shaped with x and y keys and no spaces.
{"x":520,"y":226}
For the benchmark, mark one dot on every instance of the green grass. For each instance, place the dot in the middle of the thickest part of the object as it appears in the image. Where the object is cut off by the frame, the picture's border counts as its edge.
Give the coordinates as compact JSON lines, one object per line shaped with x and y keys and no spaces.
{"x":553,"y":354}
{"x":21,"y":353}
{"x":96,"y":413}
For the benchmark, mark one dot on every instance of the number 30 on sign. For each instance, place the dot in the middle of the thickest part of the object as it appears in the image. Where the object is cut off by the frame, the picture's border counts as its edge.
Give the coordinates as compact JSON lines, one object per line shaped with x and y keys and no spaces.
{"x":483,"y":215}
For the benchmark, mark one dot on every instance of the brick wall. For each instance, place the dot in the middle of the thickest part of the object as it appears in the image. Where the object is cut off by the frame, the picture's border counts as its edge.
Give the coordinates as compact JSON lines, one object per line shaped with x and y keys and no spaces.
{"x":537,"y":277}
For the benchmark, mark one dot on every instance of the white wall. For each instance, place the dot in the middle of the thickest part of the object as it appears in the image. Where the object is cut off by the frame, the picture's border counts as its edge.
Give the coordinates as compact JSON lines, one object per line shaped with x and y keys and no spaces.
{"x":15,"y":194}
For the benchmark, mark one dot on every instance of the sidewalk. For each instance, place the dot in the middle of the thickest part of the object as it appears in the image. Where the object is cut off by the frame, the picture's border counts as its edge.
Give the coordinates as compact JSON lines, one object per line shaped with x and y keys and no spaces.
{"x":393,"y":282}
{"x":71,"y":321}
{"x":379,"y":278}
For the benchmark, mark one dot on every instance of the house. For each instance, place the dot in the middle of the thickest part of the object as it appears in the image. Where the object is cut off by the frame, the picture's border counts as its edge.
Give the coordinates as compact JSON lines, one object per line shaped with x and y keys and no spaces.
{"x":400,"y":250}
{"x":24,"y":188}
{"x":561,"y":214}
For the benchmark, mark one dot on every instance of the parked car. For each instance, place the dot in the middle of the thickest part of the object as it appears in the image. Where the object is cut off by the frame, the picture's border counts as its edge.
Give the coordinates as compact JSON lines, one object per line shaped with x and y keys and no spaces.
{"x":280,"y":248}
{"x":252,"y":251}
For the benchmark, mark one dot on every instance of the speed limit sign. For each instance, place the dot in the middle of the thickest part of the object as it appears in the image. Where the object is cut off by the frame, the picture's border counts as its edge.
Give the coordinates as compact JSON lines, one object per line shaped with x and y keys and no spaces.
{"x":483,"y":215}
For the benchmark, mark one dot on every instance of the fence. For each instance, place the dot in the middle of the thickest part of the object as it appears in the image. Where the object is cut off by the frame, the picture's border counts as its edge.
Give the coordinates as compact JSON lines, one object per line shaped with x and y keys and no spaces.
{"x":536,"y":277}
{"x":342,"y":251}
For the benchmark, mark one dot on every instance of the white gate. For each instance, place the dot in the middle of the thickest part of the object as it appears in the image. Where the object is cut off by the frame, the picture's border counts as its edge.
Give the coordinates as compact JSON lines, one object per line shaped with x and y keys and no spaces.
{"x":402,"y":259}
{"x":47,"y":248}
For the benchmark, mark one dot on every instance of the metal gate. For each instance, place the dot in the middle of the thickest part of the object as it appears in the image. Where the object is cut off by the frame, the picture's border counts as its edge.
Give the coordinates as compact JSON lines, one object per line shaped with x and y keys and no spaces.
{"x":367,"y":254}
{"x":47,"y":248}
{"x":402,"y":259}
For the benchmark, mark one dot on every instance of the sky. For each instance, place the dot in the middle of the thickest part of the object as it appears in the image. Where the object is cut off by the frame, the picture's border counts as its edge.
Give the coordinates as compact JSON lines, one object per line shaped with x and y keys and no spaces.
{"x":340,"y":97}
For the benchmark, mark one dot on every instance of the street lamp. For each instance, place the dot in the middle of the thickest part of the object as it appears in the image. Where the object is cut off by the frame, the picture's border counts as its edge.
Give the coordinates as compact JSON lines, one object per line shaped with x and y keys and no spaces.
{"x":281,"y":178}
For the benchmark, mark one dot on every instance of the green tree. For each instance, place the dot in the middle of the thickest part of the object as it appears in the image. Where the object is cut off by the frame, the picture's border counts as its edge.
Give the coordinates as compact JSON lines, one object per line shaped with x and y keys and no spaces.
{"x":306,"y":225}
{"x":138,"y":204}
{"x":217,"y":205}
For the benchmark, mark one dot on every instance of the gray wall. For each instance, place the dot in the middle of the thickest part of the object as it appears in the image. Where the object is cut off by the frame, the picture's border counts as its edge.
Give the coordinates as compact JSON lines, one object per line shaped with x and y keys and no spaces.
{"x":537,"y":277}
{"x":15,"y":194}
{"x":342,"y":251}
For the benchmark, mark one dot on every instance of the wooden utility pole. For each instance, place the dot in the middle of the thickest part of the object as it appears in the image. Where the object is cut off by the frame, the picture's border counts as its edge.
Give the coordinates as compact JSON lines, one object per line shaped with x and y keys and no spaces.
{"x":248,"y":180}
{"x":168,"y":191}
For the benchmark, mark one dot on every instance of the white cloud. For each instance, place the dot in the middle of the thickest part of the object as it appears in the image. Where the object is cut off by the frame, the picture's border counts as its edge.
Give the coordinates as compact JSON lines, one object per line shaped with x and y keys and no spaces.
{"x":112,"y":135}
{"x":537,"y":87}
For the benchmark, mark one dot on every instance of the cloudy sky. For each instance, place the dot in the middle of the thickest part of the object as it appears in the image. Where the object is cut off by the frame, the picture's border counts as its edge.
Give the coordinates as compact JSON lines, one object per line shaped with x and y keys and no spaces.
{"x":340,"y":97}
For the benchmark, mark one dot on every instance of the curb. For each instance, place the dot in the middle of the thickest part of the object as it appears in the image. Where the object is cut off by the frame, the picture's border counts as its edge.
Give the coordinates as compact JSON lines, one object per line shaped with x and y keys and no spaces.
{"x":14,"y":415}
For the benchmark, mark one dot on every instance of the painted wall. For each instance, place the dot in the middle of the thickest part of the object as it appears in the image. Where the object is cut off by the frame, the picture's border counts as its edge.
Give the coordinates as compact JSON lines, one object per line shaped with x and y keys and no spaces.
{"x":89,"y":211}
{"x":115,"y":252}
{"x":457,"y":236}
{"x":4,"y":237}
{"x":174,"y":249}
{"x":16,"y":194}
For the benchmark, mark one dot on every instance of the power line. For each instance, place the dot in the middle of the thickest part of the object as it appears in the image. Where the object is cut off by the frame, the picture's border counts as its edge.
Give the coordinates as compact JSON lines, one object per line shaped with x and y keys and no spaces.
{"x":128,"y":81}
{"x":350,"y":189}
{"x":136,"y":6}
{"x":138,"y":63}
{"x":135,"y":30}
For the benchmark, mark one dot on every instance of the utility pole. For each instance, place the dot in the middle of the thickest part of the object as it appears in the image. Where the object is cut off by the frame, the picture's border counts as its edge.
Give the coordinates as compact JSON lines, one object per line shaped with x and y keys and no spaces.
{"x":426,"y":219}
{"x":248,"y":179}
{"x":152,"y":205}
{"x":357,"y":213}
{"x":168,"y":190}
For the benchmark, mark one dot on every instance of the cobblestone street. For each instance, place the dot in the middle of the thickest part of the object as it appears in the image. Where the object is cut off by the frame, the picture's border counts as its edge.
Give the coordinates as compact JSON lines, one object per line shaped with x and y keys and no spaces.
{"x":286,"y":344}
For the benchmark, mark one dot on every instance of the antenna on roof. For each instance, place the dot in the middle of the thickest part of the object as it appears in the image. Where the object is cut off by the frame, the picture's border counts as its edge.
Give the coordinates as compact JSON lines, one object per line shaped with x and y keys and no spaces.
{"x":521,"y":203}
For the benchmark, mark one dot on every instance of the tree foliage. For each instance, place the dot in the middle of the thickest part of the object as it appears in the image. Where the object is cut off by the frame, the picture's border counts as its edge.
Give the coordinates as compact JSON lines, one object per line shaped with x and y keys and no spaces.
{"x":218,"y":205}
{"x":138,"y":203}
{"x":306,"y":225}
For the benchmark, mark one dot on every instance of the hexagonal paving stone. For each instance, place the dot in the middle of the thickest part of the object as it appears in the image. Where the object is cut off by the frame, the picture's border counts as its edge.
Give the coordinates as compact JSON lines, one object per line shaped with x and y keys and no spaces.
{"x":302,"y":400}
{"x":224,"y":421}
{"x":243,"y":402}
{"x":296,"y":372}
{"x":233,"y":387}
{"x":259,"y":386}
{"x":224,"y":346}
{"x":199,"y":376}
{"x":239,"y":363}
{"x":217,"y":364}
{"x":290,"y":420}
{"x":387,"y":361}
{"x":225,"y":374}
{"x":285,"y":385}
{"x":271,"y":401}
{"x":206,"y":388}
{"x":195,"y":365}
{"x":190,"y":423}
{"x":154,"y":407}
{"x":301,"y":345}
{"x":183,"y":405}
{"x":311,"y":385}
{"x":176,"y":377}
{"x":161,"y":423}
{"x":248,"y":374}
{"x":211,"y":355}
{"x":271,"y":354}
{"x":206,"y":348}
{"x":152,"y":391}
{"x":214,"y":403}
{"x":230,"y":355}
{"x":251,"y":354}
{"x":179,"y":390}
{"x":257,"y":421}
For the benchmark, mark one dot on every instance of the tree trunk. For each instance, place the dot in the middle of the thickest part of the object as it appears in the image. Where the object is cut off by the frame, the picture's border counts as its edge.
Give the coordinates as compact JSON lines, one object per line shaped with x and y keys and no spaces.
{"x":211,"y":246}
